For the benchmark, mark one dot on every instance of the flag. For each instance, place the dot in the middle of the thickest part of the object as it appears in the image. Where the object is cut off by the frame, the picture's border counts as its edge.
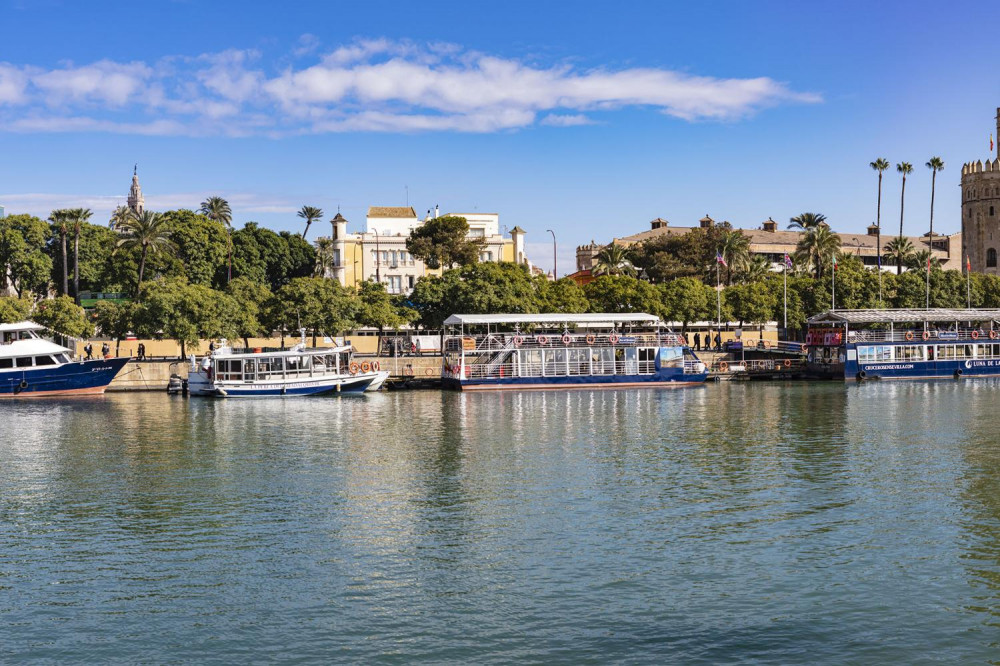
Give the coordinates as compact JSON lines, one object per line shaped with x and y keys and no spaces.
{"x":928,"y":264}
{"x":788,"y":261}
{"x":834,"y":261}
{"x":968,"y":264}
{"x":991,"y":142}
{"x":718,"y":258}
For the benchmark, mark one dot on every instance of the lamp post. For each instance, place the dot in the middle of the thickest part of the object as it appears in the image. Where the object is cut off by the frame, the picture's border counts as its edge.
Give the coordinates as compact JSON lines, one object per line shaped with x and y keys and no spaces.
{"x":378,"y":258}
{"x":555,"y":273}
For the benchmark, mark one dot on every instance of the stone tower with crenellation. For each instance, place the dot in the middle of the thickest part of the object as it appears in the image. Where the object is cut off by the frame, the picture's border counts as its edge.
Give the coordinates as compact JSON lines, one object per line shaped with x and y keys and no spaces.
{"x":981,"y":211}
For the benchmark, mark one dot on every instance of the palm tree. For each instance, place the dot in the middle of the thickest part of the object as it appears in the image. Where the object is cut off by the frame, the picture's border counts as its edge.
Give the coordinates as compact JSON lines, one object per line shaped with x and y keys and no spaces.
{"x":817,"y":248}
{"x":324,"y":257}
{"x":807,"y":221}
{"x":310,"y":214}
{"x":60,"y":219}
{"x":734,"y":246}
{"x":935,"y":164}
{"x":899,"y":250}
{"x":756,"y":269}
{"x":614,"y":259}
{"x":79,"y":217}
{"x":880,"y":165}
{"x":148,"y":232}
{"x":217,"y":209}
{"x":118,"y":217}
{"x":917,"y":261}
{"x":903,"y":168}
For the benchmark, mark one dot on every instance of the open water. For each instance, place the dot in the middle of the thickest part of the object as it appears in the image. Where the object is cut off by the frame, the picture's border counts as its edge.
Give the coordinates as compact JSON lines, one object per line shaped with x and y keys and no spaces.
{"x":755,"y":523}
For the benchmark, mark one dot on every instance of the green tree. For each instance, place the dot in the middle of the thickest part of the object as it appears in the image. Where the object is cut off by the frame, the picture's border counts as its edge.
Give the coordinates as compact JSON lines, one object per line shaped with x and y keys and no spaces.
{"x":146,"y":233}
{"x":614,"y":259}
{"x":24,"y":266}
{"x":217,"y":209}
{"x":301,"y":256}
{"x":806,"y":221}
{"x":63,"y":316}
{"x":917,"y":260}
{"x":201,"y":247}
{"x":324,"y":257}
{"x":756,"y":269}
{"x":115,"y":320}
{"x":377,"y":309}
{"x":903,"y":168}
{"x":899,"y":250}
{"x":251,"y":300}
{"x":489,"y":287}
{"x":187,"y":313}
{"x":563,"y":295}
{"x":734,"y":246}
{"x":444,"y":242}
{"x":935,"y":164}
{"x":118,"y":217}
{"x":751,"y":303}
{"x":686,"y":300}
{"x":14,"y":310}
{"x":316,"y":304}
{"x":622,"y":293}
{"x":670,"y":256}
{"x":817,"y":248}
{"x":93,"y":268}
{"x":310,"y":214}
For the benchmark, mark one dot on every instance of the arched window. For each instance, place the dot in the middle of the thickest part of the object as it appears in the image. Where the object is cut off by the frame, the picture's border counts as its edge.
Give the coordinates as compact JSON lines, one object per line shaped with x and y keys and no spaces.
{"x":991,"y":211}
{"x":991,"y":258}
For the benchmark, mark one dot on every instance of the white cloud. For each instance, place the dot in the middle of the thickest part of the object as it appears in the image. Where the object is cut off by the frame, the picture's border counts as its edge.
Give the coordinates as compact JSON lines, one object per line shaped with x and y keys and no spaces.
{"x":371,"y":85}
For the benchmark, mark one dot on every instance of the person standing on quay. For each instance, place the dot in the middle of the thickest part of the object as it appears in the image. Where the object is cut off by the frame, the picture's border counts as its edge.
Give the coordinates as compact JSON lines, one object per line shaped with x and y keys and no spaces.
{"x":697,"y":342}
{"x":718,"y":341}
{"x":141,"y":352}
{"x":89,"y":351}
{"x":105,"y":350}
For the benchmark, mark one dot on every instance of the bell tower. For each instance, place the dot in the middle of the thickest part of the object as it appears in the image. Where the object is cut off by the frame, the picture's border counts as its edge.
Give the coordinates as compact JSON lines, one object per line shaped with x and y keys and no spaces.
{"x":136,"y":202}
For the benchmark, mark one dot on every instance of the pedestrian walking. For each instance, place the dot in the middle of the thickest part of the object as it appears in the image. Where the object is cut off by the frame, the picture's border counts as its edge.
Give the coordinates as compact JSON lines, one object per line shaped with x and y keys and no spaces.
{"x":211,"y":346}
{"x":88,"y":349}
{"x":697,"y":342}
{"x":718,"y":341}
{"x":105,"y":350}
{"x":141,"y":352}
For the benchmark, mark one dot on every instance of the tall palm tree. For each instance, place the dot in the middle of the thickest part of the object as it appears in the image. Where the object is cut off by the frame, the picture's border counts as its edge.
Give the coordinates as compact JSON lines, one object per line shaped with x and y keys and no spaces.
{"x":60,"y":220}
{"x":756,"y":269}
{"x":880,"y":164}
{"x":903,"y":168}
{"x":148,"y":232}
{"x":310,"y":214}
{"x":899,"y":250}
{"x":217,"y":209}
{"x":614,"y":259}
{"x":734,"y":246}
{"x":78,"y":217}
{"x":807,"y":221}
{"x":118,"y":217}
{"x":324,"y":257}
{"x":917,"y":261}
{"x":816,"y":248}
{"x":935,"y":164}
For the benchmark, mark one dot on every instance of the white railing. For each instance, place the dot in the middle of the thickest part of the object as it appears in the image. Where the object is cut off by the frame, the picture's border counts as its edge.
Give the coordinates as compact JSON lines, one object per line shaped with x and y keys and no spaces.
{"x":919,"y":335}
{"x":501,"y":342}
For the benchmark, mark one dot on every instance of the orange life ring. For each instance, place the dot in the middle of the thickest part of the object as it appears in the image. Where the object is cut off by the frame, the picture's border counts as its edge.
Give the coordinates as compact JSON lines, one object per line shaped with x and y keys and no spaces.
{"x":354,"y":367}
{"x":909,"y":335}
{"x":975,"y":335}
{"x":590,"y":338}
{"x":723,"y":367}
{"x":518,"y":340}
{"x":993,"y":335}
{"x":613,"y":339}
{"x":366,"y":366}
{"x":927,"y":335}
{"x":543,"y":339}
{"x":566,"y":339}
{"x":428,"y":372}
{"x":767,"y":344}
{"x":375,"y":366}
{"x":788,"y":362}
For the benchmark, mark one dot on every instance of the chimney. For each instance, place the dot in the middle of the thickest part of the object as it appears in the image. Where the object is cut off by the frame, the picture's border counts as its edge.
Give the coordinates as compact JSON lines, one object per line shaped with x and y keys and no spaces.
{"x":770,"y":225}
{"x":437,"y":211}
{"x":658,"y":223}
{"x":873,"y":229}
{"x":706,"y":222}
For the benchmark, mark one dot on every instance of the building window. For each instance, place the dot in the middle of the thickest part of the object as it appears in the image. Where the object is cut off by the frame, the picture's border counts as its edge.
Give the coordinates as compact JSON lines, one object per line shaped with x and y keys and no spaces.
{"x":410,"y":280}
{"x":395,"y":284}
{"x":991,"y":211}
{"x":991,"y":258}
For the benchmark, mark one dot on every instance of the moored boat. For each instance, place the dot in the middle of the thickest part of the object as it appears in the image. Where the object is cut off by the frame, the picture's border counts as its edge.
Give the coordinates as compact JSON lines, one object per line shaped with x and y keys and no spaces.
{"x":903,"y":344}
{"x":300,"y":371}
{"x":561,"y":351}
{"x":32,"y":366}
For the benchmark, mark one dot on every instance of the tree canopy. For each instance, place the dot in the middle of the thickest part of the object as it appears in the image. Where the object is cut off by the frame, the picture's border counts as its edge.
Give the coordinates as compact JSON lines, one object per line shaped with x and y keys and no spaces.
{"x":444,"y":242}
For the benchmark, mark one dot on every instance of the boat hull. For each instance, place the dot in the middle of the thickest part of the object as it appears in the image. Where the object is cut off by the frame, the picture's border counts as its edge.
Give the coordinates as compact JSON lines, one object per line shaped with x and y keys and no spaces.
{"x":69,"y":379}
{"x":575,"y":382}
{"x":199,"y":386}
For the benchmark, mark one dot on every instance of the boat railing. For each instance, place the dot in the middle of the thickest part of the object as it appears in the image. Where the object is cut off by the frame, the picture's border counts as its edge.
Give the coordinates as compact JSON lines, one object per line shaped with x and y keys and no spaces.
{"x":758,"y":365}
{"x":564,"y":369}
{"x":506,"y":341}
{"x":921,"y":335}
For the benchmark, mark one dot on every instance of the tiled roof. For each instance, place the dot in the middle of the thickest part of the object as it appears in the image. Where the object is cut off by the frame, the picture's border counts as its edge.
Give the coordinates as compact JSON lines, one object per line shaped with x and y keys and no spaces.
{"x":391,"y":211}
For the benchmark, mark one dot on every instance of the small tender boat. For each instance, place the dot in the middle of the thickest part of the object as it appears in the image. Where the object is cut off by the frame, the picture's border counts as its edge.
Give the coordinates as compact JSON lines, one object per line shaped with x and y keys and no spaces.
{"x":556,"y":351}
{"x":300,"y":371}
{"x":33,"y":366}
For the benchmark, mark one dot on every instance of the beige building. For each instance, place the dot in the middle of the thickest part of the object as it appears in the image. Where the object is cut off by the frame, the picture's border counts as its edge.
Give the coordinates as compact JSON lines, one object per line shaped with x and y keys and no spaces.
{"x":772,"y":243}
{"x":981,"y":211}
{"x":379,"y":252}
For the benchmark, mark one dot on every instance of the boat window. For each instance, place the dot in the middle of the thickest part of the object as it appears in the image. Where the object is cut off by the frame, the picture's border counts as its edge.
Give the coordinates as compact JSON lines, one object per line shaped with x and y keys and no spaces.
{"x":647,"y":361}
{"x":44,"y":360}
{"x":62,"y":358}
{"x":6,"y":363}
{"x":908,"y":353}
{"x":579,"y":361}
{"x":604,"y":361}
{"x":555,"y":362}
{"x":531,"y":362}
{"x":631,"y":361}
{"x":23,"y":362}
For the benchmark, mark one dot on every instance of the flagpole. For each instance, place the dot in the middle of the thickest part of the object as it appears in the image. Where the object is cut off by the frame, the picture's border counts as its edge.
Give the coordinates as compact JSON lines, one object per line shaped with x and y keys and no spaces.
{"x":718,"y":295}
{"x":833,"y":278}
{"x":927,"y":306}
{"x":786,"y":296}
{"x":968,"y":282}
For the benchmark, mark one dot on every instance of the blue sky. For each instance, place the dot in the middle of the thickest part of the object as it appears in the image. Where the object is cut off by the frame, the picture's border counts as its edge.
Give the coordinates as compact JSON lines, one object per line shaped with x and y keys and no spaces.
{"x":586,"y":118}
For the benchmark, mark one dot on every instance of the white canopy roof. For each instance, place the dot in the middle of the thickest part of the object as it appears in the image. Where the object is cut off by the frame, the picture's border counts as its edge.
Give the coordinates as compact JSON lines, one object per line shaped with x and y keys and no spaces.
{"x":21,"y":326}
{"x":553,"y":318}
{"x":905,"y":316}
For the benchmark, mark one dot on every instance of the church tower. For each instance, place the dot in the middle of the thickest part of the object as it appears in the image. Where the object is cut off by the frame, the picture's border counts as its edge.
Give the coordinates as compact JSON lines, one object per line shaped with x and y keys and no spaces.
{"x":135,"y":200}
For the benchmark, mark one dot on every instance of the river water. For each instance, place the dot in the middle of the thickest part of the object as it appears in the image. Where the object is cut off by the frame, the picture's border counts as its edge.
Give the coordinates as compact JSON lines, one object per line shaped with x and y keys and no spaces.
{"x":777,"y":523}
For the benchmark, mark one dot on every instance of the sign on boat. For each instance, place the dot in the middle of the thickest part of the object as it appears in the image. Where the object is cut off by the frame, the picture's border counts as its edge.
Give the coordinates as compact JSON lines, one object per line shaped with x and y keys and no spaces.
{"x":558,"y":351}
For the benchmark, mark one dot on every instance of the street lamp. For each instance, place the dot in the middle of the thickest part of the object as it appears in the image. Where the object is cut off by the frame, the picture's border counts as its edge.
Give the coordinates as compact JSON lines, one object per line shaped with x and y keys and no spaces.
{"x":555,"y":272}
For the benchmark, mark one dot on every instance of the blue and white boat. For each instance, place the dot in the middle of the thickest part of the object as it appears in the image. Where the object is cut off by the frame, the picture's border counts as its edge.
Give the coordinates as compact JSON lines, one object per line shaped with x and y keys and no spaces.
{"x":565,"y":351}
{"x":31,"y":366}
{"x":300,"y":371}
{"x":860,"y":345}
